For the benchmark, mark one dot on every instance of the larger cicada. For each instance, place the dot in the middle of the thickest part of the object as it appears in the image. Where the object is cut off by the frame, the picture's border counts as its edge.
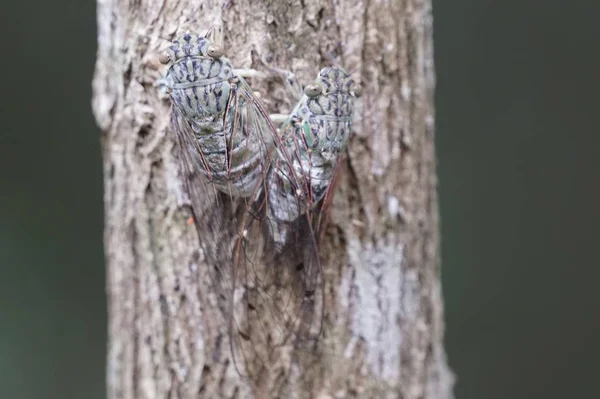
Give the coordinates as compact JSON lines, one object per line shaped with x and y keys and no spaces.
{"x":256,"y":189}
{"x":222,"y":127}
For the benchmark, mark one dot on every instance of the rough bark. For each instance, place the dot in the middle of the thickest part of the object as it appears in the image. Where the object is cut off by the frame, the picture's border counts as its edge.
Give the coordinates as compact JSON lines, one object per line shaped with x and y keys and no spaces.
{"x":384,"y":329}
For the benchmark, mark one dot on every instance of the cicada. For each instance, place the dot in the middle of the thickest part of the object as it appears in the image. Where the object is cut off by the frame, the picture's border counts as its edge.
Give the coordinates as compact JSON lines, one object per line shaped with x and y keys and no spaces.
{"x":222,"y":127}
{"x":296,"y":202}
{"x":253,"y":190}
{"x":315,"y":134}
{"x":301,"y":181}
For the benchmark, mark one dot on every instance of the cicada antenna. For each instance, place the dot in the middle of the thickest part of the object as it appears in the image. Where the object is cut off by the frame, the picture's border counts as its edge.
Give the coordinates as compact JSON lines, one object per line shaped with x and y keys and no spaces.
{"x":210,"y":30}
{"x":335,"y":63}
{"x":165,"y":39}
{"x":333,"y":60}
{"x":215,"y":33}
{"x":227,"y":5}
{"x":353,"y":71}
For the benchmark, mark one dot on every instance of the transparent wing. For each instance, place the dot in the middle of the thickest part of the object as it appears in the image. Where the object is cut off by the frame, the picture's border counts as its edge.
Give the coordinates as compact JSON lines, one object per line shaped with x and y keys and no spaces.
{"x":276,"y":313}
{"x":212,"y":212}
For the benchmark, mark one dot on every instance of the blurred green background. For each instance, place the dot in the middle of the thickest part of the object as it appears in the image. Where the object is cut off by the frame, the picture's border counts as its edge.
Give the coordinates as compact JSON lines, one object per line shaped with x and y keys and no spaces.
{"x":517,"y":138}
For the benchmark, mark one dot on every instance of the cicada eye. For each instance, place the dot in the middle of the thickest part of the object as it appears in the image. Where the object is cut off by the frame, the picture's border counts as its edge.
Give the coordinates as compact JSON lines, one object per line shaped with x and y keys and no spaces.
{"x":215,"y":52}
{"x":357,"y":90}
{"x":164,"y":58}
{"x":313,"y":90}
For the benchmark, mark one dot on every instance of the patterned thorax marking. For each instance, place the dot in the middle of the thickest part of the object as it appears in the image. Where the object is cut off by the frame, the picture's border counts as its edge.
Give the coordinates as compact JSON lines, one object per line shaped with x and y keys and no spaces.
{"x":316,"y":133}
{"x":217,"y":110}
{"x":199,"y":83}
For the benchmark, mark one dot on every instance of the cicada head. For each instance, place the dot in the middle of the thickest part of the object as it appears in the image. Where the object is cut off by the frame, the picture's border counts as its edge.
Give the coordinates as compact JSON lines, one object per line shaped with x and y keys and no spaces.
{"x":199,"y":74}
{"x":332,"y":93}
{"x":189,"y":44}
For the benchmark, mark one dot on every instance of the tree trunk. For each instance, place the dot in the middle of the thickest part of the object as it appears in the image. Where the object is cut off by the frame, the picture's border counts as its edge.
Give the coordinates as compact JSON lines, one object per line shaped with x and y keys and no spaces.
{"x":384,"y":329}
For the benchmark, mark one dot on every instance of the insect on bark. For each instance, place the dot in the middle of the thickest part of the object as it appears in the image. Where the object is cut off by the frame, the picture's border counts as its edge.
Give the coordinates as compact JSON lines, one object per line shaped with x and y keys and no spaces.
{"x":300,"y":193}
{"x":315,"y":134}
{"x":221,"y":126}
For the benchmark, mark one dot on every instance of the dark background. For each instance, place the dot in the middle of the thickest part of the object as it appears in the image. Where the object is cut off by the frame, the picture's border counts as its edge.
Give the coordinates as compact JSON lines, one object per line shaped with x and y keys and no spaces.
{"x":517,"y":134}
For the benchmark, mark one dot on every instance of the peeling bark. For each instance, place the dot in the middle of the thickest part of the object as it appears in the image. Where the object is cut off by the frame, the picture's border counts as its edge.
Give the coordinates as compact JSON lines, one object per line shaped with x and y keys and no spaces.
{"x":384,"y":323}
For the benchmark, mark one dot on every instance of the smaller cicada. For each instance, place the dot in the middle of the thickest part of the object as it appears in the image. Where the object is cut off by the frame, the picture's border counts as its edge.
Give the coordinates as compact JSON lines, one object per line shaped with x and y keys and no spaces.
{"x":301,"y":183}
{"x":315,"y":135}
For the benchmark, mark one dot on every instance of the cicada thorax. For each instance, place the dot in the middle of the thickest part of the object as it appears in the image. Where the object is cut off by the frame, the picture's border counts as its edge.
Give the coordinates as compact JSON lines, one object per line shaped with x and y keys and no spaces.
{"x":213,"y":105}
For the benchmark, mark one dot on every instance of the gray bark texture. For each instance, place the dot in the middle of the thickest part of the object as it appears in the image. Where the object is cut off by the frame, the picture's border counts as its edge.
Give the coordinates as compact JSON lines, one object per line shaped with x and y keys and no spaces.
{"x":384,"y":325}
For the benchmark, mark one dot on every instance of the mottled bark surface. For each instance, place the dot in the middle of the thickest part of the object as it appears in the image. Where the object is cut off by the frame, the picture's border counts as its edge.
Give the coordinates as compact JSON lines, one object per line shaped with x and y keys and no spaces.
{"x":384,"y":323}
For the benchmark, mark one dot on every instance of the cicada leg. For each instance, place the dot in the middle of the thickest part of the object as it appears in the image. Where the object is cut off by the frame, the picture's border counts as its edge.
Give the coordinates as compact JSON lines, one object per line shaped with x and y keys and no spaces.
{"x":289,"y":79}
{"x":249,"y":73}
{"x":276,"y":119}
{"x":279,"y":119}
